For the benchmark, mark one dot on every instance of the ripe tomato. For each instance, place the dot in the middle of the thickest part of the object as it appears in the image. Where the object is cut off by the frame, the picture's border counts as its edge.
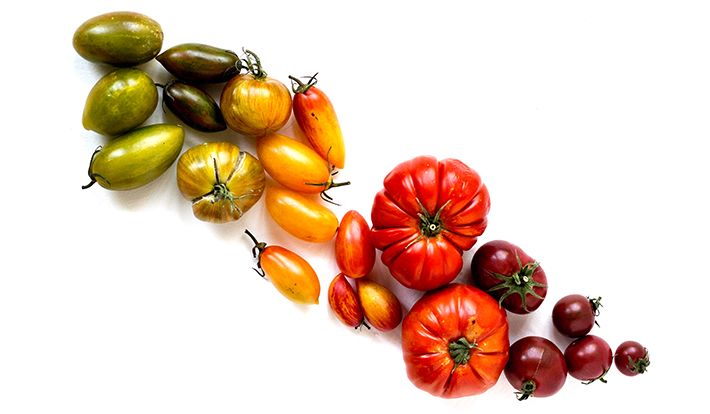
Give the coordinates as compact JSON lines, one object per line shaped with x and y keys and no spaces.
{"x":575,"y":315}
{"x":455,"y":341}
{"x":301,"y":216}
{"x":536,"y":367}
{"x":220,"y":180}
{"x":510,"y":275}
{"x":631,"y":358}
{"x":380,"y":305}
{"x":354,"y":251}
{"x":290,"y":274}
{"x":294,"y":165}
{"x":254,"y":104}
{"x":316,"y":116}
{"x":428,"y":213}
{"x":588,"y":359}
{"x":344,"y":303}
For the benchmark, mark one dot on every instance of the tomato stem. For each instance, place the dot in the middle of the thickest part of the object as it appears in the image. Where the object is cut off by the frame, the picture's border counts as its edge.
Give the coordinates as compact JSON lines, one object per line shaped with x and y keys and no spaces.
{"x":299,"y":87}
{"x":526,"y":391}
{"x":641,"y":365}
{"x":257,"y":250}
{"x":93,"y":176}
{"x":600,"y":378}
{"x":329,"y":184}
{"x":596,"y":304}
{"x":460,"y":351}
{"x":253,"y":65}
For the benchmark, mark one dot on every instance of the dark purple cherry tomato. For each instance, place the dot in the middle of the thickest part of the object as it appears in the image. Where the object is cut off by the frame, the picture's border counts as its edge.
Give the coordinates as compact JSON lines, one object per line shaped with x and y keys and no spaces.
{"x":509,"y":275}
{"x":631,"y":358}
{"x":575,"y":315}
{"x":588,"y":359}
{"x":536,"y":367}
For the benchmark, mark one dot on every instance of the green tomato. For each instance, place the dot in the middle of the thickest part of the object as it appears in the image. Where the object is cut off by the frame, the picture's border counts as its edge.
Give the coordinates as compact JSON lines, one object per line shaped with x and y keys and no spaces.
{"x":136,"y":158}
{"x":198,"y":63}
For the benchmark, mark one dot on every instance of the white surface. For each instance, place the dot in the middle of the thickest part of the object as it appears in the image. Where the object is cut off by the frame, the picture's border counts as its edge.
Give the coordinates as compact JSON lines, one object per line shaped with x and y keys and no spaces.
{"x":587,"y":121}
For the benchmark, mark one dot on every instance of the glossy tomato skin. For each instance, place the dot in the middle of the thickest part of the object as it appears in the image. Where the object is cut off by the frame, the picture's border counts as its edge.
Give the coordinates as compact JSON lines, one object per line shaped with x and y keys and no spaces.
{"x":536,"y":367}
{"x":380,"y":305}
{"x":461,"y":323}
{"x":291,"y":275}
{"x":574,"y":315}
{"x":631,"y":358}
{"x":510,"y":275}
{"x":428,"y":213}
{"x":344,"y":303}
{"x":200,"y":63}
{"x":588,"y":358}
{"x":255,"y":106}
{"x":301,"y":216}
{"x":354,"y":252}
{"x":193,"y":106}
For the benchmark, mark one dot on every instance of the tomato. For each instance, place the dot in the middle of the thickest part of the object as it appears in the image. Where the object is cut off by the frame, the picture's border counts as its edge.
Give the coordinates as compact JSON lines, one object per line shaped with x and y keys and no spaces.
{"x":290,"y":273}
{"x":344,"y":302}
{"x":354,"y":252}
{"x":631,"y":358}
{"x":510,"y":275}
{"x":588,"y":359}
{"x":193,"y":106}
{"x":295,"y":165}
{"x":301,"y":216}
{"x":254,"y":104}
{"x":316,"y":116}
{"x":455,"y":341}
{"x":428,"y":213}
{"x":220,"y":180}
{"x":575,"y":315}
{"x":536,"y":367}
{"x":199,"y":63}
{"x":380,"y":305}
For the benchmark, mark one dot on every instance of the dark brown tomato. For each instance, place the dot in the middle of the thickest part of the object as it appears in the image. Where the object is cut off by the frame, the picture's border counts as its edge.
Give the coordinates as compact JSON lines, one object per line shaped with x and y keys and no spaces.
{"x":193,"y":106}
{"x":631,"y":358}
{"x":588,"y":359}
{"x":575,"y":315}
{"x":199,"y":63}
{"x":536,"y":367}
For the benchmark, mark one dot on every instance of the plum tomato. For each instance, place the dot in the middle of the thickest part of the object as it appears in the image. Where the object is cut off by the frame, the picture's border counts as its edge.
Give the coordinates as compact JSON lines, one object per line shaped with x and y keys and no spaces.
{"x":510,"y":275}
{"x":200,"y":63}
{"x":575,"y":315}
{"x":354,"y":252}
{"x":301,"y":216}
{"x":588,"y":359}
{"x":536,"y":367}
{"x":631,"y":358}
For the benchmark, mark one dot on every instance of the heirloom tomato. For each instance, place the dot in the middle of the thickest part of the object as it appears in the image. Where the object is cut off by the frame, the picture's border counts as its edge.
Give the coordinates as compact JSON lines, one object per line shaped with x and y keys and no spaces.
{"x":193,"y":106}
{"x":354,"y":252}
{"x":220,"y":180}
{"x":254,"y":104}
{"x":380,"y":305}
{"x":455,"y":341}
{"x":316,"y":116}
{"x":428,"y":213}
{"x":300,"y":216}
{"x":575,"y":315}
{"x":536,"y":367}
{"x":631,"y":358}
{"x":344,"y":302}
{"x":588,"y":359}
{"x":199,"y":63}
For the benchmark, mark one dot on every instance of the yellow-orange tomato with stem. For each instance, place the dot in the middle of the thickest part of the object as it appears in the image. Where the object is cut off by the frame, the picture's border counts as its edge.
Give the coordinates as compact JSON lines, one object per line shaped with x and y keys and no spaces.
{"x":379,"y":305}
{"x":254,"y":104}
{"x":301,"y":216}
{"x":344,"y":304}
{"x":290,"y":273}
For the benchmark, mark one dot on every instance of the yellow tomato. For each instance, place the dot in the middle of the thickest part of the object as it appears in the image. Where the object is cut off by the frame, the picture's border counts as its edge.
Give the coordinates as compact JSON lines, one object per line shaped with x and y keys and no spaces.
{"x":301,"y":216}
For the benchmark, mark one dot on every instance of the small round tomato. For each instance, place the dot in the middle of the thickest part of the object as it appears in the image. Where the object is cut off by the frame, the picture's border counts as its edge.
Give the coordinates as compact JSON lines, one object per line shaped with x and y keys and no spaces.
{"x":536,"y":367}
{"x":575,"y":315}
{"x":510,"y":275}
{"x":588,"y":359}
{"x":300,"y":216}
{"x":254,"y":104}
{"x":354,"y":252}
{"x":290,"y":273}
{"x":220,"y":180}
{"x":631,"y":358}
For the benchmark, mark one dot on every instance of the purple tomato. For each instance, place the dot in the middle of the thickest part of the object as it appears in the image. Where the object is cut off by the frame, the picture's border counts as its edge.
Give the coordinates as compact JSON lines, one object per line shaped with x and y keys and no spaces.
{"x":588,"y":359}
{"x":575,"y":315}
{"x":631,"y":358}
{"x":536,"y":367}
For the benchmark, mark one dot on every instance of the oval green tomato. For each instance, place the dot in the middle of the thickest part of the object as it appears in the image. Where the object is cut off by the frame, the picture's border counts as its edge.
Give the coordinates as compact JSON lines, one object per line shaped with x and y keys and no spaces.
{"x":136,"y":158}
{"x":120,"y":101}
{"x":119,"y":38}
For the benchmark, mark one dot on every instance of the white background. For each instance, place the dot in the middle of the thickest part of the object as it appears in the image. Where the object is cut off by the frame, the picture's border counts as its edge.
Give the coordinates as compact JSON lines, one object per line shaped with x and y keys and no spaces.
{"x":587,"y":121}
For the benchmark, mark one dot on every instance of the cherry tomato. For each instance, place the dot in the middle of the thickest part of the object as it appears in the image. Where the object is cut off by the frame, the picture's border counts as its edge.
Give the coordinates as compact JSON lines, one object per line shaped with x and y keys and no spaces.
{"x":510,"y":275}
{"x":316,"y":116}
{"x":301,"y":216}
{"x":344,"y":303}
{"x":575,"y":315}
{"x":290,"y":274}
{"x":354,"y":252}
{"x":220,"y":180}
{"x":379,"y":305}
{"x":428,"y":213}
{"x":455,"y":341}
{"x":588,"y":359}
{"x":631,"y":358}
{"x":254,"y":104}
{"x":536,"y":367}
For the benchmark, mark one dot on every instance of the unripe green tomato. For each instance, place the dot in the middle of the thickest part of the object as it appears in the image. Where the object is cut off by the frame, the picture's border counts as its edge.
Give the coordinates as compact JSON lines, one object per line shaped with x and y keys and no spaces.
{"x":136,"y":158}
{"x":119,"y":38}
{"x":120,"y":101}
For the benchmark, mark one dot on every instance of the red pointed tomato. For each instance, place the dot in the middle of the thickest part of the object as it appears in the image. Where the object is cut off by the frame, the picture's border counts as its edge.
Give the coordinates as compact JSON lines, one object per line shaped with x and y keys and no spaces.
{"x":455,"y":341}
{"x":428,"y":213}
{"x":354,"y":251}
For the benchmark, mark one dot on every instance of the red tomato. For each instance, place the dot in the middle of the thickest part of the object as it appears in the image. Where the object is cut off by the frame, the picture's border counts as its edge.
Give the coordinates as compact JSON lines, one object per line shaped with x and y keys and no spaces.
{"x":588,"y":359}
{"x":631,"y":358}
{"x":354,"y":251}
{"x":316,"y":116}
{"x":344,"y":303}
{"x":455,"y":341}
{"x":536,"y":367}
{"x":428,"y":213}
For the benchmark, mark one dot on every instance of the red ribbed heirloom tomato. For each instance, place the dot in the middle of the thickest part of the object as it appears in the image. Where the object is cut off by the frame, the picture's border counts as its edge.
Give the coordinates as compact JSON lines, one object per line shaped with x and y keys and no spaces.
{"x":428,"y":213}
{"x":455,"y":341}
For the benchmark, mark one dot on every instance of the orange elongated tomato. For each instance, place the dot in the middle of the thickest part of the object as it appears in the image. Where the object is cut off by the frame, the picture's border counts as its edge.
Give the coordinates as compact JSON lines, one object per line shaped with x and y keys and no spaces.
{"x":254,"y":104}
{"x":290,"y":273}
{"x":301,"y":216}
{"x":315,"y":114}
{"x":294,"y":164}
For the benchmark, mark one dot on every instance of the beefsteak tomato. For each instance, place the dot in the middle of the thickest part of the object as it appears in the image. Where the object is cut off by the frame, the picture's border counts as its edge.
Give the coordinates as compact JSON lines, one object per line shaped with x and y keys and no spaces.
{"x":428,"y":213}
{"x":455,"y":341}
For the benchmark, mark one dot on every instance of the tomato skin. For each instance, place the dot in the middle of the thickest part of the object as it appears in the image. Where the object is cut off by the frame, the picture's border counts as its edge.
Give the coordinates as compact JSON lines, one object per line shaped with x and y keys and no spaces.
{"x":575,"y":315}
{"x":193,"y":106}
{"x":588,"y":358}
{"x":631,"y":358}
{"x":437,"y":324}
{"x":291,"y":275}
{"x":536,"y":367}
{"x":344,"y":303}
{"x":380,"y":305}
{"x":510,"y":275}
{"x":428,"y":213}
{"x":199,"y":63}
{"x":301,"y":216}
{"x":255,"y":107}
{"x":354,"y":252}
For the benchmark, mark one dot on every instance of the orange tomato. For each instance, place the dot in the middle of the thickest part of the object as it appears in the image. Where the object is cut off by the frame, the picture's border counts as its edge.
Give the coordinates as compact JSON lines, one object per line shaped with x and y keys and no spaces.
{"x":301,"y":216}
{"x":379,"y":305}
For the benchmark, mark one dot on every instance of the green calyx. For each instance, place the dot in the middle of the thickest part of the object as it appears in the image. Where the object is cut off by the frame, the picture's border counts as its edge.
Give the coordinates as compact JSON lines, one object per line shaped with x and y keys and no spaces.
{"x":460,"y":351}
{"x":429,"y":226}
{"x":526,"y":391}
{"x":641,"y":365}
{"x":299,"y":87}
{"x":520,"y":282}
{"x":600,"y":378}
{"x":596,"y":304}
{"x":253,"y":65}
